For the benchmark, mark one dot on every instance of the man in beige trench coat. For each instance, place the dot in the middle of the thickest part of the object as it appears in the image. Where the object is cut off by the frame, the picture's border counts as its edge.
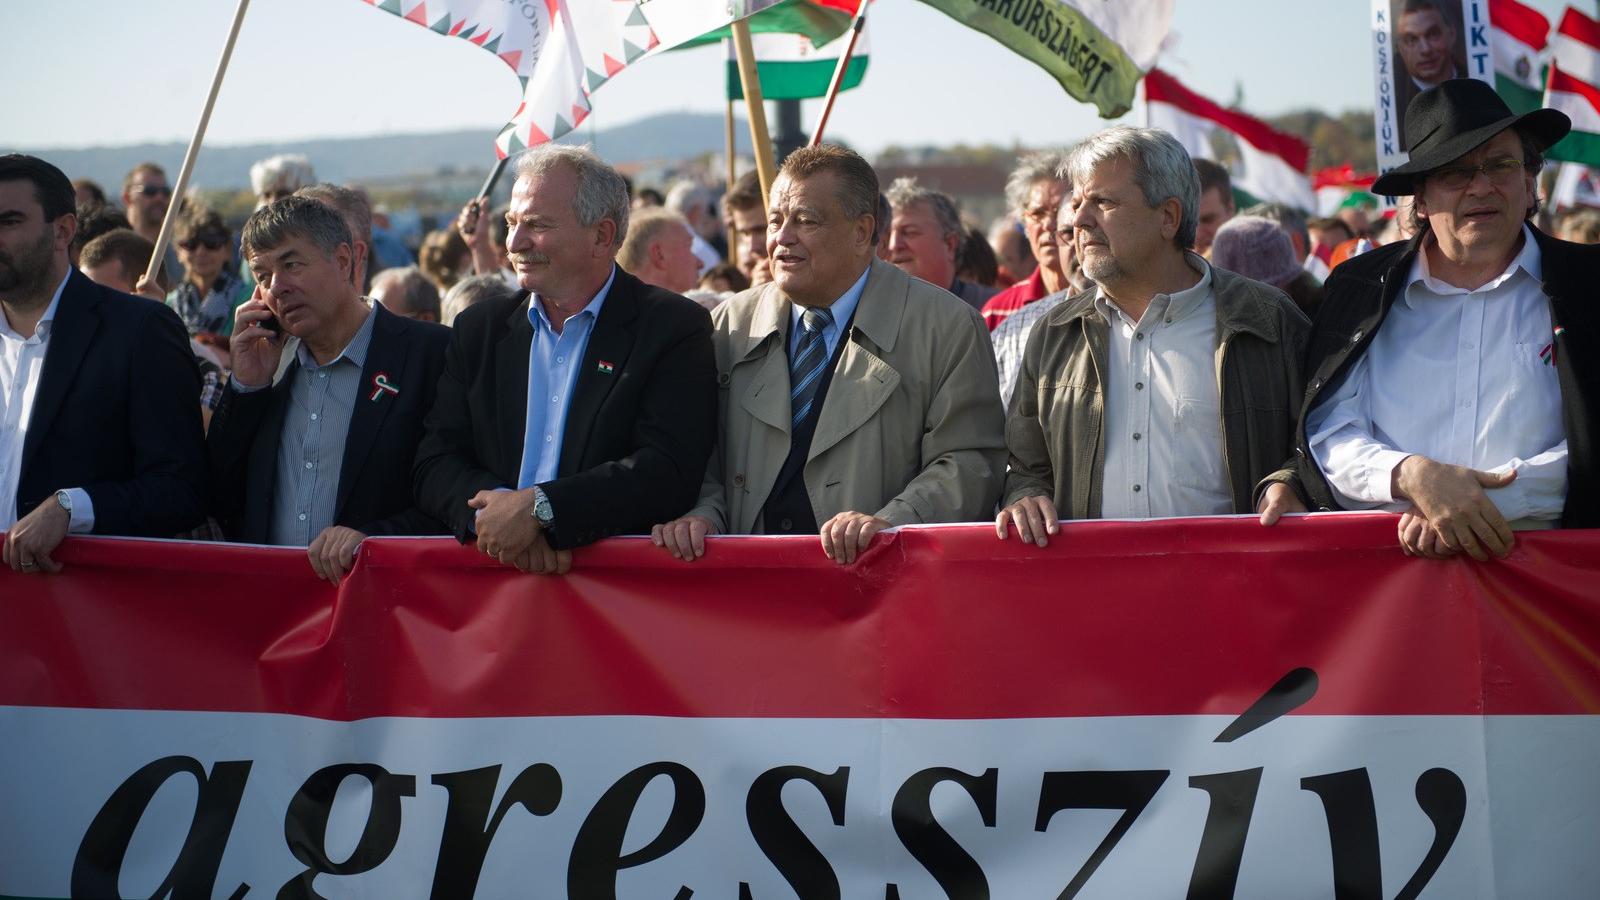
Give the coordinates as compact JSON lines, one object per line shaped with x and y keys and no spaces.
{"x":853,"y":397}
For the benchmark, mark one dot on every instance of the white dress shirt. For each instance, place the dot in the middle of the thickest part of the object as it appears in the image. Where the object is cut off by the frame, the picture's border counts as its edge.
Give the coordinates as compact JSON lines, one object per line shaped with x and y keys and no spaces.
{"x":1163,"y":422}
{"x":21,"y":364}
{"x":1458,"y":376}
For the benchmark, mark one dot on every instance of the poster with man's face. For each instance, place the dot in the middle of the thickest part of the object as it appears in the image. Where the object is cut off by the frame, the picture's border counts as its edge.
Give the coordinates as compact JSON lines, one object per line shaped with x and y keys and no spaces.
{"x":1416,"y":45}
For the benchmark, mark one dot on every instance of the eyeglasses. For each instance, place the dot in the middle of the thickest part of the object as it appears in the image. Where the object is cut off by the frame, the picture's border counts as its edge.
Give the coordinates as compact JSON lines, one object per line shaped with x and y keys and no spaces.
{"x":209,"y":241}
{"x":152,"y":190}
{"x":1500,"y":172}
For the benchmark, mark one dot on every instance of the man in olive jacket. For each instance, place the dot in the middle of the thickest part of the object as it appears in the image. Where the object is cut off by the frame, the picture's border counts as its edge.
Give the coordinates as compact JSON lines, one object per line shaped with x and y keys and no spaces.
{"x":853,"y":397}
{"x":1171,"y":388}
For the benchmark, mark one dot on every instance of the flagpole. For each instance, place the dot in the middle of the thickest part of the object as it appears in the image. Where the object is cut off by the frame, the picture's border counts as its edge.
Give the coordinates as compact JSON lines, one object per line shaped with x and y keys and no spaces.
{"x":494,"y":176}
{"x":838,"y":72}
{"x":182,"y":185}
{"x":732,"y":148}
{"x":755,"y":108}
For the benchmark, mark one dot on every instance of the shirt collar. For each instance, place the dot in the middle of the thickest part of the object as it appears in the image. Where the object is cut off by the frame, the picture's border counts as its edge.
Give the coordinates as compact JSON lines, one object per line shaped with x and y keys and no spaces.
{"x":1178,"y":304}
{"x":540,"y":320}
{"x":842,"y":308}
{"x":355,"y":351}
{"x":1527,"y":260}
{"x":46,"y":321}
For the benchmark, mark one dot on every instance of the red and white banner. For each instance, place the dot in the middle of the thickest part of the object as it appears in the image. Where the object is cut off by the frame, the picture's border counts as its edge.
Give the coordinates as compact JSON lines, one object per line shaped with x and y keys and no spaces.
{"x":1199,"y":708}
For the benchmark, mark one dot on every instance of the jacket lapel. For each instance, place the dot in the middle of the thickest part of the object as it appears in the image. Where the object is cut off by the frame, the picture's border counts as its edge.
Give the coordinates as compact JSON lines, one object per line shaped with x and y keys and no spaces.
{"x":386,"y":355}
{"x":73,"y":328}
{"x":767,"y":397}
{"x":511,"y":388}
{"x":611,"y":342}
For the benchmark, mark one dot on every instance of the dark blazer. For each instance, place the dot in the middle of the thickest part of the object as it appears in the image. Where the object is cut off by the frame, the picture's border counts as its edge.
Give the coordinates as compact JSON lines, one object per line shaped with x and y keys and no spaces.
{"x":117,"y":413}
{"x":1359,"y":294}
{"x":374,"y":493}
{"x":639,"y":427}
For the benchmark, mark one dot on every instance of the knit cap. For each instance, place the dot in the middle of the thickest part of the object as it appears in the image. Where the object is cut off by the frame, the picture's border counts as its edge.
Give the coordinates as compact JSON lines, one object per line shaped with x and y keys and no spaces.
{"x":1255,"y":247}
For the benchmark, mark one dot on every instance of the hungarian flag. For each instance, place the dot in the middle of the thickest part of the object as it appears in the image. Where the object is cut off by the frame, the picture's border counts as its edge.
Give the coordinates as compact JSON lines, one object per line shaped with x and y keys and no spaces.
{"x":820,"y":21}
{"x":1266,"y":164}
{"x":1518,"y":35}
{"x":1572,"y":87}
{"x":1336,"y":185}
{"x":1096,"y":50}
{"x":792,"y":68}
{"x":563,"y":51}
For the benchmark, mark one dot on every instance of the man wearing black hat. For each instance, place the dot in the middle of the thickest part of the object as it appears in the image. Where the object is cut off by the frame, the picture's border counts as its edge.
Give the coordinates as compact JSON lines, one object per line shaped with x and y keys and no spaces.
{"x":1454,"y":378}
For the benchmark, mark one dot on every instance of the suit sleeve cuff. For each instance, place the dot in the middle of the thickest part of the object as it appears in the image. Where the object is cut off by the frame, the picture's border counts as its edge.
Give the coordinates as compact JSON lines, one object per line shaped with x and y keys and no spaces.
{"x":82,"y":511}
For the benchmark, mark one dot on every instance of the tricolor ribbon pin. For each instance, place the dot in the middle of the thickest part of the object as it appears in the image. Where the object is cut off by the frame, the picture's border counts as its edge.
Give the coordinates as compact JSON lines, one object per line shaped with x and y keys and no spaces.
{"x":381,"y":386}
{"x":605,"y":368}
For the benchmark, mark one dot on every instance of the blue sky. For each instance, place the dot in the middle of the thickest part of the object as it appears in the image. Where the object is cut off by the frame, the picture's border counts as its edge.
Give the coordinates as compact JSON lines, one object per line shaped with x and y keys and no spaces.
{"x":90,"y":72}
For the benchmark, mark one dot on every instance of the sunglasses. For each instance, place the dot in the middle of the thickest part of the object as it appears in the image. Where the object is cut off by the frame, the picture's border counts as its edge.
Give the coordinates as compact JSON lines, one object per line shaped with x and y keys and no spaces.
{"x":210,"y":242}
{"x":152,"y":190}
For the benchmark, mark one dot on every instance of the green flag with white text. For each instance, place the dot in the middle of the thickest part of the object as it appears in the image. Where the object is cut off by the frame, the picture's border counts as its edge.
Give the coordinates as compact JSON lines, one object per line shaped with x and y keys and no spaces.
{"x":1098,"y":51}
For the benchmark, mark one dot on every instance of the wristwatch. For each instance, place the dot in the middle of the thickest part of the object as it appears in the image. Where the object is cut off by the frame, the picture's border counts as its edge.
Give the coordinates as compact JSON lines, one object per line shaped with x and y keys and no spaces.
{"x":65,"y":499}
{"x":542,"y":510}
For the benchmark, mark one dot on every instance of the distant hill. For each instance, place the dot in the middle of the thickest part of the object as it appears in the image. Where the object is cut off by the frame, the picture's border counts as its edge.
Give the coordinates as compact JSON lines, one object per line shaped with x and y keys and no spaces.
{"x":665,"y":137}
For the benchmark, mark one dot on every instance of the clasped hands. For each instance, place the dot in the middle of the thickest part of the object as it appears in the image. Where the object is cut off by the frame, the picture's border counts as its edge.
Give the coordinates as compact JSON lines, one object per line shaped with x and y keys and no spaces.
{"x":508,"y":532}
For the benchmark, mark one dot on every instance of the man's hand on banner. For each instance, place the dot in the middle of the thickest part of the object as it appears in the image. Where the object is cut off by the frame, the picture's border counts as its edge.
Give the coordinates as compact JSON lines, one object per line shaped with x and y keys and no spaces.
{"x":31,"y":541}
{"x":333,"y":553}
{"x":1418,"y":538}
{"x":846,"y":535}
{"x":509,"y":532}
{"x":1276,"y":500}
{"x":684,"y":538}
{"x":1035,"y":519}
{"x":1452,"y":502}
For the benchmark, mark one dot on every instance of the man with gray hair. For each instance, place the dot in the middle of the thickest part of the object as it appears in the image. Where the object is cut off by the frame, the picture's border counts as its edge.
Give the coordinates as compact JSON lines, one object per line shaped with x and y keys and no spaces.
{"x":1034,"y":192}
{"x":321,"y":458}
{"x":582,"y":407}
{"x":407,"y":292}
{"x":356,"y":210}
{"x":693,"y":201}
{"x":925,"y":236}
{"x":1169,"y":390}
{"x":279,"y":176}
{"x":659,"y":249}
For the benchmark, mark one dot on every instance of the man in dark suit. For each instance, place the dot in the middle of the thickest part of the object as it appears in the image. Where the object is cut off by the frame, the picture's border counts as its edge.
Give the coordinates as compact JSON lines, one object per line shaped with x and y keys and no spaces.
{"x":323,"y":458}
{"x":99,"y":431}
{"x":581,"y":408}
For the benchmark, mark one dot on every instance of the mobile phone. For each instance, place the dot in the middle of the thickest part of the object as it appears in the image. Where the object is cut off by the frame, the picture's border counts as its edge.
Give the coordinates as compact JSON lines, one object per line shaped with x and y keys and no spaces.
{"x":272,"y":324}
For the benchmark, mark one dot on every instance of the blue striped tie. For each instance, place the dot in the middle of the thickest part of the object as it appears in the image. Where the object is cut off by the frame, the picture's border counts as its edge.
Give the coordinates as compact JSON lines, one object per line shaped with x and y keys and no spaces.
{"x":805,"y":371}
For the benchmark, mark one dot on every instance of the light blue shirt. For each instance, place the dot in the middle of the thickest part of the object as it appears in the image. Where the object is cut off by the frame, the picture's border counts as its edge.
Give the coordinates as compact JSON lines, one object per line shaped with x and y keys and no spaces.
{"x":553,"y":364}
{"x":842,"y":309}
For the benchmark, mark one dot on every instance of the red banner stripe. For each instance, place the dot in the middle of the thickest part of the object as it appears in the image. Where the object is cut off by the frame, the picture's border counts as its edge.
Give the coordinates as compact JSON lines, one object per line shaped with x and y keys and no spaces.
{"x":1198,"y":616}
{"x":1580,"y":28}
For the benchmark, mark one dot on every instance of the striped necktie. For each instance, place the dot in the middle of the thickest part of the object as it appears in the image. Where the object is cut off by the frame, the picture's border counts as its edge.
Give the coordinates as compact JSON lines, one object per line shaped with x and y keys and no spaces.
{"x":805,"y":370}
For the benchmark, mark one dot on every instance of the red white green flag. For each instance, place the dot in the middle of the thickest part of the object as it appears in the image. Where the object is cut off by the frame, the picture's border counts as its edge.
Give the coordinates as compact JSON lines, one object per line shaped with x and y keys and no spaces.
{"x":1574,"y":87}
{"x":563,"y":51}
{"x":1518,"y":35}
{"x":792,"y":68}
{"x":1267,"y":164}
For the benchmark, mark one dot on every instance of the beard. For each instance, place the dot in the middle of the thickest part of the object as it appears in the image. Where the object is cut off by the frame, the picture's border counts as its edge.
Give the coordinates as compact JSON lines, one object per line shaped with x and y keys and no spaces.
{"x":23,"y":273}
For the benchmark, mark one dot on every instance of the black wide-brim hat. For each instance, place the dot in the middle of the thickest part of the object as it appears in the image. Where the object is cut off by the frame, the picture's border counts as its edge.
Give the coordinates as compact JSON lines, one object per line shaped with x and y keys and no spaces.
{"x":1446,"y":122}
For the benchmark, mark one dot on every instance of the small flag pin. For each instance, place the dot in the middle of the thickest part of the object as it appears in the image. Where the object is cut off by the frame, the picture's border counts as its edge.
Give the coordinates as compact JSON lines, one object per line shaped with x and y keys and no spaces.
{"x":381,"y":386}
{"x":605,"y":368}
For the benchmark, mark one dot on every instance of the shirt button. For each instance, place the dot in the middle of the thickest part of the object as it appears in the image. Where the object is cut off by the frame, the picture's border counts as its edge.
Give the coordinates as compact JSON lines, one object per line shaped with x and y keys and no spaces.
{"x":554,"y":399}
{"x":322,"y":374}
{"x":1466,"y":404}
{"x":1136,"y":435}
{"x":310,"y":466}
{"x":738,"y":480}
{"x":787,"y":524}
{"x":1138,"y":385}
{"x":561,"y":359}
{"x":1469,"y":346}
{"x":1139,"y":336}
{"x":313,"y":417}
{"x":302,"y":517}
{"x":1136,"y":489}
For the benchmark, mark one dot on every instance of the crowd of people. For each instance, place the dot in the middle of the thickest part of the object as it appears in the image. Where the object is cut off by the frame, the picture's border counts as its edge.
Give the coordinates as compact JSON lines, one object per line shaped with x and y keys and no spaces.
{"x":584,"y":363}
